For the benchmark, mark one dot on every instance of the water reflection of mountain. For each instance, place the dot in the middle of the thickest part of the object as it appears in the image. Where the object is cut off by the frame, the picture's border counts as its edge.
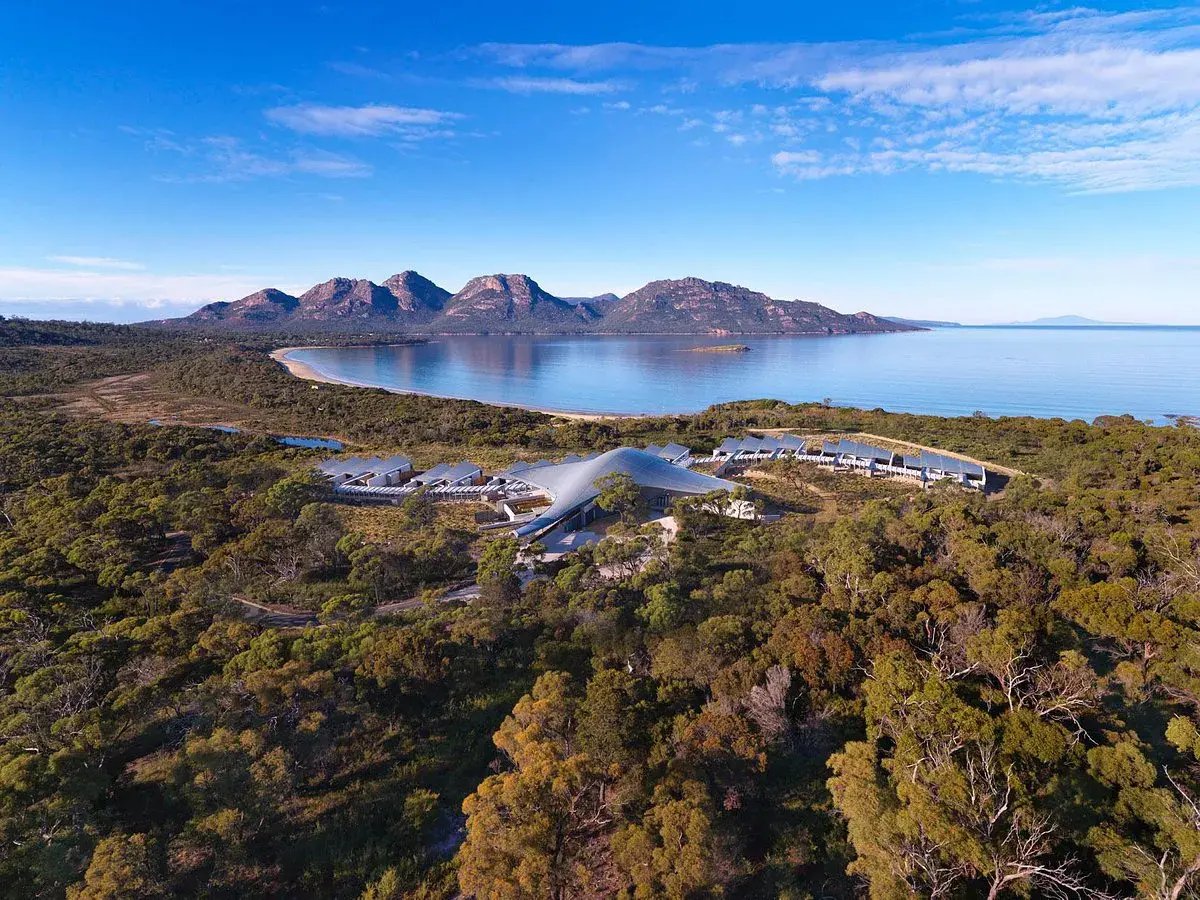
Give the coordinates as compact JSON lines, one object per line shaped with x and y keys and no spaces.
{"x":1076,"y":373}
{"x":486,"y":356}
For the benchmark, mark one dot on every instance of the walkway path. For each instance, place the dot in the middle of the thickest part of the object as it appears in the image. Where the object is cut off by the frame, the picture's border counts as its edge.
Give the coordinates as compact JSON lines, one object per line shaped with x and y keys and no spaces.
{"x":463,"y":593}
{"x":276,"y":615}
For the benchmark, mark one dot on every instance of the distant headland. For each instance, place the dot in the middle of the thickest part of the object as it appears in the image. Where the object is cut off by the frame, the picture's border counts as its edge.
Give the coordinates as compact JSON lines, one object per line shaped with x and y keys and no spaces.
{"x":1068,"y":321}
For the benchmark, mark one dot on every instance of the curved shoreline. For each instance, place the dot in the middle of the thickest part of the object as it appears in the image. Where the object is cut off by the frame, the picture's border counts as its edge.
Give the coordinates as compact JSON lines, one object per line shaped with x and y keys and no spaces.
{"x":308,"y":373}
{"x":300,"y":369}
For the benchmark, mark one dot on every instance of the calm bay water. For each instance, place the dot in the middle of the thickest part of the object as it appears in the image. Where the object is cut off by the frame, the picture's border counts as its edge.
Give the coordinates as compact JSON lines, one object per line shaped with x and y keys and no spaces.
{"x":1069,"y":372}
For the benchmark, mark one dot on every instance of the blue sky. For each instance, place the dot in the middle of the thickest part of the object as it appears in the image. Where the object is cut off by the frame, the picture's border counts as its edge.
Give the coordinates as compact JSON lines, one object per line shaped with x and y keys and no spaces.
{"x":967,"y":160}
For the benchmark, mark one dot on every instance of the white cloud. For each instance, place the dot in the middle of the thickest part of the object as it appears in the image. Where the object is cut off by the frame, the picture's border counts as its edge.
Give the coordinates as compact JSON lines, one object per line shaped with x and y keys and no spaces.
{"x":727,"y":63}
{"x":143,"y":289}
{"x":578,"y":58}
{"x":517,"y":84}
{"x":226,"y":159}
{"x":1152,"y":163}
{"x":788,"y":159}
{"x":325,"y":165}
{"x":1089,"y":105}
{"x":372,"y":120}
{"x":97,"y":262}
{"x":96,"y":310}
{"x":1080,"y":98}
{"x":358,"y":70}
{"x":1164,"y":162}
{"x":1104,"y":83}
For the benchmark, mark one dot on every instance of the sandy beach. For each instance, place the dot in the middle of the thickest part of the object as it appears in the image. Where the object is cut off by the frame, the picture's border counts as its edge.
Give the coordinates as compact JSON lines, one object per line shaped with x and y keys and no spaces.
{"x":307,"y":372}
{"x":299,"y":369}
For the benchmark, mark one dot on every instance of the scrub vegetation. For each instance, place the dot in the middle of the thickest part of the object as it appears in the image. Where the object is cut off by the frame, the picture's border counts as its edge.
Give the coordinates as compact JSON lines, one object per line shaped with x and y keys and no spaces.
{"x":886,"y":693}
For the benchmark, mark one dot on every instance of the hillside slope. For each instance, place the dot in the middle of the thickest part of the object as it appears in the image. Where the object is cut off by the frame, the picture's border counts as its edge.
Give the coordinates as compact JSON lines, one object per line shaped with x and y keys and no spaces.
{"x":511,"y":303}
{"x":695,"y":306}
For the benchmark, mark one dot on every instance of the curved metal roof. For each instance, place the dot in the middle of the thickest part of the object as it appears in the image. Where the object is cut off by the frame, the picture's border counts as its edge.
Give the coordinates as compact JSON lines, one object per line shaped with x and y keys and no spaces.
{"x":356,"y":466}
{"x":571,"y":485}
{"x":674,"y":451}
{"x":859,"y":450}
{"x":950,"y":464}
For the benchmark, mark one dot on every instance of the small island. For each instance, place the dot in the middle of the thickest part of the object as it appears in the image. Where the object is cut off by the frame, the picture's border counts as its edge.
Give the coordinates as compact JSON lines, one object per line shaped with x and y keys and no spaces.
{"x":720,"y":348}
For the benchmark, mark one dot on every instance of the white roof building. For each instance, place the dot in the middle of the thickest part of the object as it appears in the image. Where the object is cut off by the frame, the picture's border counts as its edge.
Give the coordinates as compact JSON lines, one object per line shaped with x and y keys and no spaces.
{"x":572,"y":486}
{"x":672,"y":452}
{"x":728,"y":447}
{"x":373,"y":470}
{"x":769,"y":446}
{"x":447,"y":475}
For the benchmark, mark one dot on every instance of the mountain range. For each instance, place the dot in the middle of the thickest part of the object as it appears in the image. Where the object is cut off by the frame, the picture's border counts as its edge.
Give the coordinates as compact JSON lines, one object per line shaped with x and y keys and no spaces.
{"x":491,"y":304}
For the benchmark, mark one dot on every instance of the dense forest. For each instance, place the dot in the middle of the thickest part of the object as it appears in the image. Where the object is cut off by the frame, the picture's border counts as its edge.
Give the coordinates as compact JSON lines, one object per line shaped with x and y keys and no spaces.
{"x":890,"y":693}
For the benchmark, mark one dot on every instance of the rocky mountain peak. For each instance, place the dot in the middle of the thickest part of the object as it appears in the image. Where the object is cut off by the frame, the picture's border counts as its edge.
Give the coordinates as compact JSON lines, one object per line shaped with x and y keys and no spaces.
{"x":506,"y":302}
{"x":345,"y":298}
{"x":693,"y":305}
{"x":509,"y":284}
{"x":415,"y":293}
{"x":491,"y":290}
{"x":262,"y":307}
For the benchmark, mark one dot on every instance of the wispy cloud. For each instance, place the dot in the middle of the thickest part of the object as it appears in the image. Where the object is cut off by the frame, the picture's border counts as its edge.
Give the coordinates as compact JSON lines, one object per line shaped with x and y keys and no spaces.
{"x":222,"y":159}
{"x":778,"y":64}
{"x":1100,"y":120}
{"x":97,"y":262}
{"x":372,"y":120}
{"x":231,"y":161}
{"x":793,"y":159}
{"x":156,"y":139}
{"x":143,"y":289}
{"x":98,"y":310}
{"x":1104,"y":83}
{"x":1153,"y":163}
{"x":577,"y":58}
{"x":1081,"y":98}
{"x":519,"y":84}
{"x":358,"y":70}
